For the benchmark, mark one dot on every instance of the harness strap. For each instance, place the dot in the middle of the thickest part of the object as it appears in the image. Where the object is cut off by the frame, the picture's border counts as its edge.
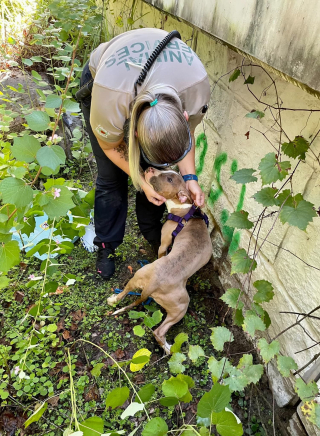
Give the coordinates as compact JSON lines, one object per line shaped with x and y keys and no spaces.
{"x":194,"y":212}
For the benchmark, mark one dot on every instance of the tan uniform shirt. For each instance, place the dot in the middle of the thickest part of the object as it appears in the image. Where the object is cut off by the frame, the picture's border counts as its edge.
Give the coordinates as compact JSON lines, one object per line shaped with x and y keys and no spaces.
{"x":116,"y":65}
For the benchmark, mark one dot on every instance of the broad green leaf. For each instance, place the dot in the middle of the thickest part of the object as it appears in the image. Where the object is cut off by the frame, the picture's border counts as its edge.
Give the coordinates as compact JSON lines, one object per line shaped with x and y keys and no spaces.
{"x":71,"y":105}
{"x":246,"y":360}
{"x":36,"y":75}
{"x":296,"y":148}
{"x":249,"y":80}
{"x":265,"y":291}
{"x":239,"y":220}
{"x":272,"y":170}
{"x":140,"y":359}
{"x":178,"y":341}
{"x":132,"y":409}
{"x":133,"y":314}
{"x":4,"y":281}
{"x":241,"y":262}
{"x":52,"y":328}
{"x":227,"y":424}
{"x":142,"y":352}
{"x":96,"y":370}
{"x":285,"y":365}
{"x":244,"y":176}
{"x":234,"y":75}
{"x":175,"y":363}
{"x":214,"y":401}
{"x":27,"y":62}
{"x":36,"y":58}
{"x":219,"y":336}
{"x":190,"y":382}
{"x":38,"y":121}
{"x":268,"y":351}
{"x":16,"y":191}
{"x":169,"y":401}
{"x":117,"y":397}
{"x":255,"y":114}
{"x":36,"y":415}
{"x":58,"y":207}
{"x":139,"y":331}
{"x":145,"y":393}
{"x":51,"y":157}
{"x":238,"y":317}
{"x":300,"y":215}
{"x":174,"y":387}
{"x":266,"y":196}
{"x":195,"y":351}
{"x":286,"y":199}
{"x":155,"y":427}
{"x":306,"y":392}
{"x":9,"y":255}
{"x":218,"y":368}
{"x":25,"y":148}
{"x":231,"y":298}
{"x":253,"y":373}
{"x":252,"y":323}
{"x":53,"y":101}
{"x":236,"y":381}
{"x":92,"y":426}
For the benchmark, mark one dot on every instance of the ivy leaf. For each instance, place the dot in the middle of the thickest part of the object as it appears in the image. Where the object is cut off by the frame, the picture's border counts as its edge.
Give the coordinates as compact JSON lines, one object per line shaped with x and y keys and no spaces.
{"x":195,"y":351}
{"x":38,"y":121}
{"x":236,"y":381}
{"x":231,"y":298}
{"x":214,"y":401}
{"x":117,"y":397}
{"x":285,"y":365}
{"x":272,"y":170}
{"x":132,"y":409}
{"x":249,"y":80}
{"x":175,"y":363}
{"x":155,"y":427}
{"x":306,"y":392}
{"x":16,"y":191}
{"x":96,"y":370}
{"x":139,"y":331}
{"x":25,"y":148}
{"x":266,"y":196}
{"x":145,"y":393}
{"x":71,"y":105}
{"x":9,"y":255}
{"x":300,"y":215}
{"x":296,"y":148}
{"x":244,"y":176}
{"x":219,"y":336}
{"x":58,"y":207}
{"x":92,"y":426}
{"x":268,"y":351}
{"x":36,"y":415}
{"x":51,"y":157}
{"x":265,"y":291}
{"x":234,"y":75}
{"x":227,"y":424}
{"x":53,"y":101}
{"x":241,"y":262}
{"x":252,"y":323}
{"x":175,"y":387}
{"x":239,"y":220}
{"x":178,"y":341}
{"x":255,"y":114}
{"x":218,"y":368}
{"x":143,"y":352}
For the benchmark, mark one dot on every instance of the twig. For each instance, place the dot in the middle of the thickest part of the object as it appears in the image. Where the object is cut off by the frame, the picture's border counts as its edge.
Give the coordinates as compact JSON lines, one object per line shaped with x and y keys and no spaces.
{"x":315,"y":357}
{"x":302,"y":314}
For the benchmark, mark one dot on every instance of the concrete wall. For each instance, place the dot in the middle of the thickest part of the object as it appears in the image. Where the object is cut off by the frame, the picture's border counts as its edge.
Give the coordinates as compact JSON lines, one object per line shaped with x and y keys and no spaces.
{"x":296,"y":284}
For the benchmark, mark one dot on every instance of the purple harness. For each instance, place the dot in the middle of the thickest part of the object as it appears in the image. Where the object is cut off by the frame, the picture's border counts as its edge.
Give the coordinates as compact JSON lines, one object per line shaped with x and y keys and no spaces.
{"x":194,"y":212}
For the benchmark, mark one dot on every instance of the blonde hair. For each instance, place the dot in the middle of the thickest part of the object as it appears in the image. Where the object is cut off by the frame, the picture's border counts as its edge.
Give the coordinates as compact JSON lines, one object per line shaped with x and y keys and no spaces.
{"x":162,"y":131}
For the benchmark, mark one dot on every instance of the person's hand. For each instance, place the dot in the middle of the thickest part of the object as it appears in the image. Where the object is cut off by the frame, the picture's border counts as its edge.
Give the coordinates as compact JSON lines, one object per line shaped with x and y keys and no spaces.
{"x":152,"y":195}
{"x":196,"y":192}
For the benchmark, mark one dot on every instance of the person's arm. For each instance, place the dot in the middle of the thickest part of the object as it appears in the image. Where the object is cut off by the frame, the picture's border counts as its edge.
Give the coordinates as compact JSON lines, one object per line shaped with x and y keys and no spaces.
{"x":187,"y":166}
{"x":119,"y":156}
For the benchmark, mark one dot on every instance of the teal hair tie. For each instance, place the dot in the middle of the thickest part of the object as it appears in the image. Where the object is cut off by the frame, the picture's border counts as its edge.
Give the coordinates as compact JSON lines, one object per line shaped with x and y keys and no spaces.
{"x":154,"y":102}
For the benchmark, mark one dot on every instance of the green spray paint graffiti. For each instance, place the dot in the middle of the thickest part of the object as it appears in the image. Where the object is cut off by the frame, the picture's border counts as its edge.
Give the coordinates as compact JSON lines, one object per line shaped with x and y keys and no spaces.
{"x":231,"y":237}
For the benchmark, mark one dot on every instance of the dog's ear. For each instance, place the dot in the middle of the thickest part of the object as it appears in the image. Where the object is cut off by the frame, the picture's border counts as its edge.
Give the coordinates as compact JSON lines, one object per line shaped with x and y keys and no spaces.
{"x":184,"y":195}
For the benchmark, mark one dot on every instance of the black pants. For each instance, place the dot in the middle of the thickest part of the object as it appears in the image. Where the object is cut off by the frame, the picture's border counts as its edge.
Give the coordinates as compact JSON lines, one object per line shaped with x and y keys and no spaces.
{"x":111,"y":199}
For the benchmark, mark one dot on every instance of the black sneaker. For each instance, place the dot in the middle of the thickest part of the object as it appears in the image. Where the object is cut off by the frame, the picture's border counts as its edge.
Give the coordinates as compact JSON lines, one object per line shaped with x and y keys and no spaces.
{"x":105,"y":260}
{"x":155,"y":244}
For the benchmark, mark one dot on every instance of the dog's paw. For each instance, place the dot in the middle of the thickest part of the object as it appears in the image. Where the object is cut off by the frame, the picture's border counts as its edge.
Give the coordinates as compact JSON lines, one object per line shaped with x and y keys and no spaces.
{"x":112,"y":301}
{"x":167,"y":348}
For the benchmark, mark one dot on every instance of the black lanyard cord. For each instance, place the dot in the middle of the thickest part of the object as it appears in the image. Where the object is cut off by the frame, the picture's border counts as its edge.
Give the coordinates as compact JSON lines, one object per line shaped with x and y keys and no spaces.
{"x":153,"y":57}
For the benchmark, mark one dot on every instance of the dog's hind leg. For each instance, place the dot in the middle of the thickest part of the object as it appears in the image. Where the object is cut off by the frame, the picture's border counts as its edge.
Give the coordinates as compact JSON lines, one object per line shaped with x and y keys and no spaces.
{"x":134,"y":304}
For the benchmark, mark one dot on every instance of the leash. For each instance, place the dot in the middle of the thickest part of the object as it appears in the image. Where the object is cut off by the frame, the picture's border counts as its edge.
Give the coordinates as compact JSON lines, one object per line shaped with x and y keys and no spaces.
{"x":194,"y":212}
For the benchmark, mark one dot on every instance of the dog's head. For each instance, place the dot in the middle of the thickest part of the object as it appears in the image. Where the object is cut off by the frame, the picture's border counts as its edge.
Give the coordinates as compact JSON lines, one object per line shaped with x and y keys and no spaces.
{"x":168,"y":183}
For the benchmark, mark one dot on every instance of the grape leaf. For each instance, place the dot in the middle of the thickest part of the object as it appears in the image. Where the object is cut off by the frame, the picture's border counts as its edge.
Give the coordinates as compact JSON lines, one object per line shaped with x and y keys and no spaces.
{"x":268,"y":351}
{"x":253,"y":373}
{"x":234,"y":75}
{"x":190,"y":382}
{"x":244,"y":176}
{"x":285,"y":198}
{"x":25,"y":148}
{"x":241,"y":262}
{"x":219,"y":336}
{"x":155,"y":427}
{"x":236,"y":381}
{"x":265,"y":291}
{"x":300,"y":215}
{"x":175,"y":363}
{"x":272,"y":170}
{"x":255,"y":114}
{"x":117,"y":397}
{"x":285,"y":365}
{"x":296,"y":148}
{"x":227,"y":424}
{"x":249,"y":80}
{"x":174,"y":387}
{"x":178,"y":341}
{"x":195,"y":351}
{"x":218,"y":368}
{"x":53,"y":101}
{"x":252,"y":323}
{"x":145,"y":393}
{"x":239,"y":220}
{"x":16,"y":191}
{"x":214,"y":401}
{"x":306,"y":392}
{"x":266,"y":196}
{"x":231,"y":298}
{"x":38,"y":121}
{"x":92,"y":426}
{"x":51,"y":157}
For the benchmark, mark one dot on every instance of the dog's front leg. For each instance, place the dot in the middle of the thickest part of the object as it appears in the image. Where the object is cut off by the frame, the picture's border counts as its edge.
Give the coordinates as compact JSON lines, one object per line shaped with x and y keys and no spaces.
{"x":166,"y":238}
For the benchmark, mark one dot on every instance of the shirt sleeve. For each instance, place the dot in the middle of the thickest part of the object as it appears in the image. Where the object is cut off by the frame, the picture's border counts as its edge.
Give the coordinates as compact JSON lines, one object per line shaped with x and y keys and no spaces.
{"x":109,"y":110}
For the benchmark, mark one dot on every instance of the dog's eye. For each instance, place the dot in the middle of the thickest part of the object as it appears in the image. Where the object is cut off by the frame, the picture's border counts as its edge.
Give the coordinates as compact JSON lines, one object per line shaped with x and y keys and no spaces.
{"x":169,"y":179}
